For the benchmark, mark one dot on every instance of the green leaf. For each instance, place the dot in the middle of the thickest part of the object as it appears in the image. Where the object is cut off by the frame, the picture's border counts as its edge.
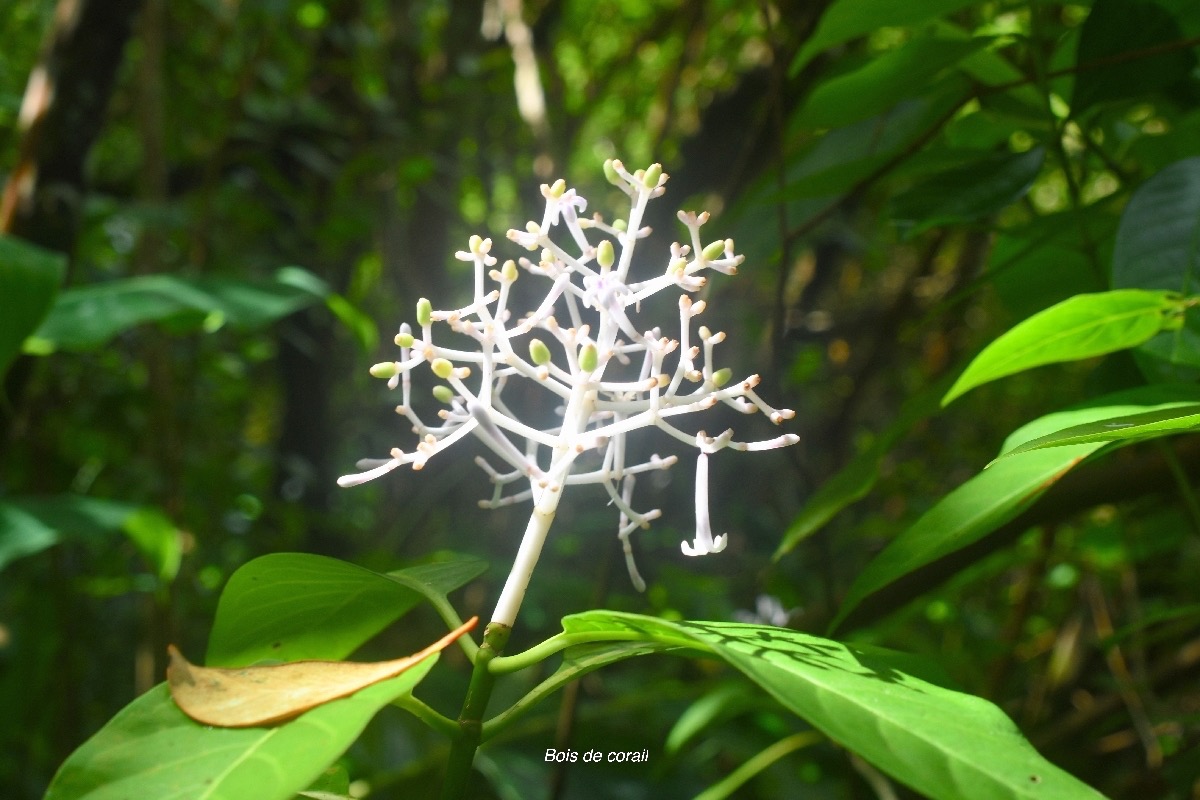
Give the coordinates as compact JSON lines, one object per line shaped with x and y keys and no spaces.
{"x":846,"y":155}
{"x":1158,"y":247}
{"x":22,"y":534}
{"x":1118,"y":27}
{"x":151,"y":749}
{"x":1080,"y":327}
{"x":295,"y":606}
{"x":31,"y":524}
{"x":1168,"y":421}
{"x":854,"y":481}
{"x":1049,"y":259}
{"x":943,"y":743}
{"x":29,"y":280}
{"x":849,"y":19}
{"x":883,"y":81}
{"x":996,"y":495}
{"x":87,"y":317}
{"x":967,"y":193}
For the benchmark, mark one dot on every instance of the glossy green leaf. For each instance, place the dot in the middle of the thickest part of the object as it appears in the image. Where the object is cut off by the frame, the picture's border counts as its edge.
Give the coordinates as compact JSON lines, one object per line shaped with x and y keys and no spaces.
{"x":968,"y":192}
{"x":849,"y":19}
{"x":995,"y":495}
{"x":294,"y":606}
{"x":151,"y":749}
{"x":31,"y":524}
{"x":943,"y":743}
{"x":1158,"y":247}
{"x":1174,"y":419}
{"x":1080,"y":327}
{"x":1117,"y":28}
{"x":884,"y":81}
{"x":29,"y":280}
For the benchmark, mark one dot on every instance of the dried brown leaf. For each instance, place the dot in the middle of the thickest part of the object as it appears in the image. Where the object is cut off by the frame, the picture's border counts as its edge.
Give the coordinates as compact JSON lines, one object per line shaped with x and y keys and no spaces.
{"x":249,"y":696}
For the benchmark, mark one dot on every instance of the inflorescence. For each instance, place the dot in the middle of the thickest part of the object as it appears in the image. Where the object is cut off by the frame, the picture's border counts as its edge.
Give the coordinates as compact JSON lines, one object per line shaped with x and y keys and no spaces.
{"x":581,"y":345}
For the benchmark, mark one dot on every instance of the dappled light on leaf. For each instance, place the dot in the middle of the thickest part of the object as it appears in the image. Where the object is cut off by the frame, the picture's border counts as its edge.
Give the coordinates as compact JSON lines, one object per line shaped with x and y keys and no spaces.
{"x":262,"y":695}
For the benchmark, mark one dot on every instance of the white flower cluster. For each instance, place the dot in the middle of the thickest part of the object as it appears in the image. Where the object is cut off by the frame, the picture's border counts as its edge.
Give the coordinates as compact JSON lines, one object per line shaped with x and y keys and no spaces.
{"x":588,"y":356}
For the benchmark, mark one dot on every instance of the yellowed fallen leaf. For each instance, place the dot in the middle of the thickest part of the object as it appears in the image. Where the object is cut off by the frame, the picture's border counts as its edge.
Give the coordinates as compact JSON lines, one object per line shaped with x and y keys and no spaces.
{"x":248,"y":696}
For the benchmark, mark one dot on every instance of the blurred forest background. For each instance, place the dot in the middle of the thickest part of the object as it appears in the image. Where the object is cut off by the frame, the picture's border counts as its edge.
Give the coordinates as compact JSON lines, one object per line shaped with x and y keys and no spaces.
{"x":238,"y":202}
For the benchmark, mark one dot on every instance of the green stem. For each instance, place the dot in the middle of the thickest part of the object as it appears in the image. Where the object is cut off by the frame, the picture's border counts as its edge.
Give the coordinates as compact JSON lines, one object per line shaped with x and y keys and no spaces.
{"x":470,"y":720}
{"x":561,"y":641}
{"x":426,"y":714}
{"x":734,"y":780}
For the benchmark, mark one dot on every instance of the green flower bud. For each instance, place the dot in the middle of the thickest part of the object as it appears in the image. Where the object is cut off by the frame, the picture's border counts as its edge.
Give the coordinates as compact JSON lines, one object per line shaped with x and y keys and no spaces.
{"x":424,"y":312}
{"x":589,"y":359}
{"x":384,"y":369}
{"x":605,"y":254}
{"x":557,"y":188}
{"x":653,"y":173}
{"x":620,"y":225}
{"x":714,"y":251}
{"x":509,"y":270}
{"x":443,"y":393}
{"x":476,"y":242}
{"x":441,"y":367}
{"x":610,"y":172}
{"x":721,"y":377}
{"x":538,"y":352}
{"x":404,"y":339}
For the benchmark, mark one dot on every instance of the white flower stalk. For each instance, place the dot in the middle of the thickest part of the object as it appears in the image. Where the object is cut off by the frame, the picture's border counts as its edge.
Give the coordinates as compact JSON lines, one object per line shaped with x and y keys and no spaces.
{"x":584,"y":345}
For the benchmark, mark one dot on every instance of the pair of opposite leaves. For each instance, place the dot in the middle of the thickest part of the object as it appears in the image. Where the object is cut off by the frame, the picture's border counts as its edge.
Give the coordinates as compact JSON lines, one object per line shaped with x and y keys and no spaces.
{"x":247,"y":696}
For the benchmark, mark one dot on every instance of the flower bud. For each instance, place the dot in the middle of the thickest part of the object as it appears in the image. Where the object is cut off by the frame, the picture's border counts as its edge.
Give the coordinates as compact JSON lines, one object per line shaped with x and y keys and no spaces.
{"x":509,"y":270}
{"x":557,"y":188}
{"x":384,"y":369}
{"x":610,"y":172}
{"x":476,"y":242}
{"x":653,"y":173}
{"x":604,"y":254}
{"x":404,"y":339}
{"x":424,"y":312}
{"x":620,"y":225}
{"x":441,"y":367}
{"x":443,"y":393}
{"x":714,"y":250}
{"x":589,"y":358}
{"x":538,"y":352}
{"x":721,"y":377}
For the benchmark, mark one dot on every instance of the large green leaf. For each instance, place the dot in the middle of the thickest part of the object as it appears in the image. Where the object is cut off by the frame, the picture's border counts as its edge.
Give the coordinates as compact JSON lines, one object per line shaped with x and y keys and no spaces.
{"x":1158,"y":247}
{"x":29,"y":279}
{"x":31,"y":524}
{"x":943,"y":743}
{"x":884,"y":81}
{"x":152,"y":750}
{"x":968,"y":192}
{"x":1168,"y":421}
{"x":997,"y":494}
{"x":849,"y":19}
{"x":1080,"y":327}
{"x":294,"y":606}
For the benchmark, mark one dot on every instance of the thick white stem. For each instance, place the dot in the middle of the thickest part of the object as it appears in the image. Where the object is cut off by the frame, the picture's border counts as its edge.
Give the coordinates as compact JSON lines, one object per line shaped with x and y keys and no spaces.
{"x":578,"y":411}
